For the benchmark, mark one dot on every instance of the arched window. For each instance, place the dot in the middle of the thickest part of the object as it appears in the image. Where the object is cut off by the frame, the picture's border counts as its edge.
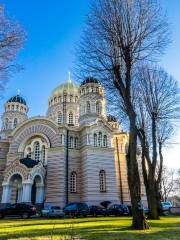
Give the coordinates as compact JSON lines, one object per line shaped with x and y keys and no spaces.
{"x":15,"y":122}
{"x":102,"y":181}
{"x":70,"y":118}
{"x":73,"y":182}
{"x":105,"y":141}
{"x":76,"y":99}
{"x":6,"y":123}
{"x":29,"y":152}
{"x":100,"y":139}
{"x":95,"y":140}
{"x":43,"y":154}
{"x":88,"y":105}
{"x":76,"y":142}
{"x":98,"y":107}
{"x":36,"y":151}
{"x":71,"y":98}
{"x":71,"y":142}
{"x":64,"y":98}
{"x":59,"y":120}
{"x":61,"y":139}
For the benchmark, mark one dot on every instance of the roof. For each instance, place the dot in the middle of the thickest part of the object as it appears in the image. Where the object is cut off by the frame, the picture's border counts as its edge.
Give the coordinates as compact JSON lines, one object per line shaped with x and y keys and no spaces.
{"x":90,"y":80}
{"x":111,"y":118}
{"x":28,"y":162}
{"x":17,"y":99}
{"x":68,"y":86}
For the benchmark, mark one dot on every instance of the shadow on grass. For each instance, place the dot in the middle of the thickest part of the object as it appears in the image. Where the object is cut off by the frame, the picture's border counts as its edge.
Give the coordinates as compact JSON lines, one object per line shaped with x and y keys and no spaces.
{"x":99,"y":231}
{"x":64,"y":221}
{"x":95,"y":234}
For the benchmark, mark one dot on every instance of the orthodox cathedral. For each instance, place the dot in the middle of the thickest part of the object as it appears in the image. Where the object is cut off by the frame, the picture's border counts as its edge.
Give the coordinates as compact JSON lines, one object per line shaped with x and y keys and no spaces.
{"x":76,"y":153}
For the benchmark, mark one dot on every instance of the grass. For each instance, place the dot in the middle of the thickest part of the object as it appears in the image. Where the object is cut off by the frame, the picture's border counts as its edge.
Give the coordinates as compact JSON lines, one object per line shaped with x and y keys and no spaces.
{"x":110,"y":228}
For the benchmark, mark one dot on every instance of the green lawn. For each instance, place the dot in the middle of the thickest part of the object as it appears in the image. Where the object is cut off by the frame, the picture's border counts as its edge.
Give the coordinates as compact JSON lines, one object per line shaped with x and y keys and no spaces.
{"x":110,"y":228}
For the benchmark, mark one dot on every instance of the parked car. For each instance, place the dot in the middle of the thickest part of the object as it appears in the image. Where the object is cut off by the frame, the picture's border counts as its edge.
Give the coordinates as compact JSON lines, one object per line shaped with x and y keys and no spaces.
{"x":166,"y":206}
{"x":146,"y":210}
{"x":118,"y":210}
{"x":97,"y":211}
{"x":76,"y":209}
{"x":130,"y":210}
{"x":52,"y":211}
{"x":18,"y":209}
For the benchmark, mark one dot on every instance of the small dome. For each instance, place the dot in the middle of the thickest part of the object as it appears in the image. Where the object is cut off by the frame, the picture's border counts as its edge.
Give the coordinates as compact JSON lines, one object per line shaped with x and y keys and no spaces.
{"x":111,"y":118}
{"x":17,"y":99}
{"x":68,"y":86}
{"x":90,"y":80}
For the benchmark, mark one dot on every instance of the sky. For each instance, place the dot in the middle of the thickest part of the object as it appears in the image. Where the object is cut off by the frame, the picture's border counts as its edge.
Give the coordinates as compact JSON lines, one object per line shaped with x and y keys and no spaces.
{"x":53,"y":30}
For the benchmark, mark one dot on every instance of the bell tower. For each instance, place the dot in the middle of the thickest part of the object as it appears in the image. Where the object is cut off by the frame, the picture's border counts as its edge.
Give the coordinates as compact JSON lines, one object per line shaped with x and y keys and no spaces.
{"x":15,"y":112}
{"x":92,"y":101}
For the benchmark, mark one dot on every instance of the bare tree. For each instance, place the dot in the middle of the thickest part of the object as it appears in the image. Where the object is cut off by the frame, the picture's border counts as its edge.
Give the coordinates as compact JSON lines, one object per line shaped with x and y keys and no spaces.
{"x":165,"y":131}
{"x":12,"y":37}
{"x":159,"y":99}
{"x":119,"y":34}
{"x":167,"y":183}
{"x":177,"y":182}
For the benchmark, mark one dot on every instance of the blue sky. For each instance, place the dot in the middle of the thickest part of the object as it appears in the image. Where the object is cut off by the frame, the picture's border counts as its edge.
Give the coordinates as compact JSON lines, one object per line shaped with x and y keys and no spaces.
{"x":53,"y":29}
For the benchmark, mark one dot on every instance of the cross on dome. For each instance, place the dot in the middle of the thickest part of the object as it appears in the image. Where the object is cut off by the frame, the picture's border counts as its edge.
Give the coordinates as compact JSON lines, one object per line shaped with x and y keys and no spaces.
{"x":69,"y":76}
{"x":18,"y":91}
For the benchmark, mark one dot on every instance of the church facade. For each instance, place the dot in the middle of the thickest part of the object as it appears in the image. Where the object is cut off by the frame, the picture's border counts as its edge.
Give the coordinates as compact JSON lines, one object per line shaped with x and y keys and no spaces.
{"x":76,"y":153}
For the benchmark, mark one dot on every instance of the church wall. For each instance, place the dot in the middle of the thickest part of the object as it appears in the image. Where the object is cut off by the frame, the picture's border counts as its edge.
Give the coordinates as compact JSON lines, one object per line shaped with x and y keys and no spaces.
{"x":119,"y":143}
{"x":4,"y":147}
{"x":93,"y":160}
{"x":75,"y":165}
{"x":55,"y":179}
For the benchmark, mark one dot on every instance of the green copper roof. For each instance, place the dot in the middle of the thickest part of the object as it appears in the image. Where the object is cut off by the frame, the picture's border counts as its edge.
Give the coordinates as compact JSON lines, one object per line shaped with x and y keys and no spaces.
{"x":68,"y":86}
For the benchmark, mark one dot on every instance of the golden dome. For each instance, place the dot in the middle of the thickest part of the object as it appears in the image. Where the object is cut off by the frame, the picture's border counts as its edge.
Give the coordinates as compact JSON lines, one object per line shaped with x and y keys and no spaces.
{"x":69,"y":87}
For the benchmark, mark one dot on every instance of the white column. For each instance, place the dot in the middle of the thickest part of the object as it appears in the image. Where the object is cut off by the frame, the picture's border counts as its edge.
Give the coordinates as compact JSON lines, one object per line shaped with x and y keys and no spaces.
{"x":40,"y":193}
{"x":6,"y":193}
{"x":20,"y":190}
{"x":26,"y":195}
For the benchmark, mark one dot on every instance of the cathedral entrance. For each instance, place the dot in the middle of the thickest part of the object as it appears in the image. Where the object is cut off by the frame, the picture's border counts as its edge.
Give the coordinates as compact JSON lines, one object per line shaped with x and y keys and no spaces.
{"x":33,"y":193}
{"x":16,"y":188}
{"x":37,"y":193}
{"x":23,"y":183}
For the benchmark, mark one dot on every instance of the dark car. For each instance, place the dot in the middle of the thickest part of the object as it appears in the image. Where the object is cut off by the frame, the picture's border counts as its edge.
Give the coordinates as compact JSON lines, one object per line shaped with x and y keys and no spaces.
{"x":118,"y":210}
{"x":130,"y":210}
{"x":18,"y":209}
{"x":97,"y":211}
{"x":76,"y":209}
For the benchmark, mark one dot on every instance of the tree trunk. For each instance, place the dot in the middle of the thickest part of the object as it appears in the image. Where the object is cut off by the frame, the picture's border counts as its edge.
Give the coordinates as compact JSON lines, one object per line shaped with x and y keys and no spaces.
{"x":154,"y":145}
{"x":139,"y":220}
{"x":149,"y":180}
{"x":151,"y":192}
{"x":159,"y":179}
